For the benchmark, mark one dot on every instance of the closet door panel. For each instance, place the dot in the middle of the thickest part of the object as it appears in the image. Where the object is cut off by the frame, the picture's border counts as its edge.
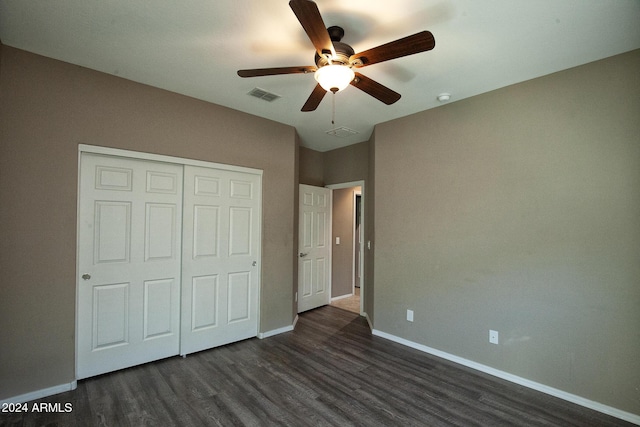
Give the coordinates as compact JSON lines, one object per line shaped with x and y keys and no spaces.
{"x":221,"y":240}
{"x":129,"y":262}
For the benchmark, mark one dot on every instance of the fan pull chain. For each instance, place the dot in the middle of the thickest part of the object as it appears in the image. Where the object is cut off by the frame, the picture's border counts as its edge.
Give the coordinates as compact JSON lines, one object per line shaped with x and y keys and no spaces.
{"x":333,"y":110}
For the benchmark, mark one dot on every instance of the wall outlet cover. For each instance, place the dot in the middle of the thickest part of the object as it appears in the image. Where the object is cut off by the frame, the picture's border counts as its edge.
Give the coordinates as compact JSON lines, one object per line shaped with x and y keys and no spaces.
{"x":410,"y":315}
{"x":493,"y":337}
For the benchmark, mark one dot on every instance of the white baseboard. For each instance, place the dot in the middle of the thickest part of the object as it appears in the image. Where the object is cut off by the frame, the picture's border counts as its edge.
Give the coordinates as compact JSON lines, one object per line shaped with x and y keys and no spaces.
{"x":39,"y":394}
{"x":341,"y":297}
{"x":279,"y":331}
{"x":579,"y":400}
{"x":366,"y":316}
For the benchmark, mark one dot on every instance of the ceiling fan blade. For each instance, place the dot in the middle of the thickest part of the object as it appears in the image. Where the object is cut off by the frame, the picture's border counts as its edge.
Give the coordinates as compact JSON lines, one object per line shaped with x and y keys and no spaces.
{"x":419,"y":42}
{"x":375,"y":89}
{"x":309,"y":16}
{"x":275,"y":71}
{"x":314,"y":99}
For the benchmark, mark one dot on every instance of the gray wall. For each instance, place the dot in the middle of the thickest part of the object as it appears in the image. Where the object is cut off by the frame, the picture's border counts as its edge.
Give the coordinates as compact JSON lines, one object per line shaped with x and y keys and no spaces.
{"x":518,"y":210}
{"x":47,"y":108}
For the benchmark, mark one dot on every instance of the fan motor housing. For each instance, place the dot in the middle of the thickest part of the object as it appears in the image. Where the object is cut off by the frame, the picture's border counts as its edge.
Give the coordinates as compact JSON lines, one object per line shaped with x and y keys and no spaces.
{"x":343,"y":50}
{"x":343,"y":53}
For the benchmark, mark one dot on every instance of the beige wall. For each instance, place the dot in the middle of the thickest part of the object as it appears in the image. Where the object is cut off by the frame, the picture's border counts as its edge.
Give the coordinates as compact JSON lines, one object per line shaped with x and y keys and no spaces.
{"x":346,"y":164}
{"x":47,"y":108}
{"x":311,"y":167}
{"x":370,"y":234}
{"x":518,"y":210}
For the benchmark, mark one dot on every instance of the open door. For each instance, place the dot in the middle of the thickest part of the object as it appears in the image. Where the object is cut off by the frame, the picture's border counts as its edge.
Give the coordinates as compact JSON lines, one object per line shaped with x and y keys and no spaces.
{"x":314,"y":247}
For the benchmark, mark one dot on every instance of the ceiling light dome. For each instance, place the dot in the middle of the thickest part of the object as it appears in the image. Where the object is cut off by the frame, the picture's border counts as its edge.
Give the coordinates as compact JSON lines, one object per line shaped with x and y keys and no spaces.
{"x":334,"y":78}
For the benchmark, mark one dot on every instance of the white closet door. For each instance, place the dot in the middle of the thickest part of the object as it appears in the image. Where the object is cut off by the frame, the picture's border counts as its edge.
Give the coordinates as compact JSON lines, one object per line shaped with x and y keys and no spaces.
{"x":221,"y":254}
{"x":129,"y":260}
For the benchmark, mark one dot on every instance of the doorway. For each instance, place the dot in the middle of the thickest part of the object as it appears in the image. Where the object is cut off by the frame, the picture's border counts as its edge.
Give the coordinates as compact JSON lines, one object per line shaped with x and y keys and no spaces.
{"x":348,"y":246}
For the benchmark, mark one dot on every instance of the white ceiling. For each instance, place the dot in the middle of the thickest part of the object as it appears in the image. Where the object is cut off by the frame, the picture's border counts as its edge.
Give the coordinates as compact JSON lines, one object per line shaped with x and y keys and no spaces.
{"x":195,"y":47}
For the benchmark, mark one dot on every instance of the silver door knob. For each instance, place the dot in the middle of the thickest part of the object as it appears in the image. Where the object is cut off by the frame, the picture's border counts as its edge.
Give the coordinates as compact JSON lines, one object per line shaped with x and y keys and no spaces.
{"x":302,"y":254}
{"x":86,"y":276}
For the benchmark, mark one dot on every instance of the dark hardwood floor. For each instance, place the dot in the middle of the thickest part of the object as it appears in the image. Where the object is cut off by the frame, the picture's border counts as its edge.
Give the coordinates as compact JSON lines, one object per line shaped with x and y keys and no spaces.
{"x":329,"y":372}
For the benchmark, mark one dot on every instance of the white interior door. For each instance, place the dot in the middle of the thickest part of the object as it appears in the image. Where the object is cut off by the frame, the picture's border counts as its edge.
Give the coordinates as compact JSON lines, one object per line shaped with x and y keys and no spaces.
{"x":221,"y":257}
{"x":314,"y":247}
{"x":128,"y":299}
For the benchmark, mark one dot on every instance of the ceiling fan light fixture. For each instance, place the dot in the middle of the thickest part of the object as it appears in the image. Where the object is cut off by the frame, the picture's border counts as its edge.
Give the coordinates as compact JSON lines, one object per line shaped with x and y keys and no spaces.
{"x":334,"y":77}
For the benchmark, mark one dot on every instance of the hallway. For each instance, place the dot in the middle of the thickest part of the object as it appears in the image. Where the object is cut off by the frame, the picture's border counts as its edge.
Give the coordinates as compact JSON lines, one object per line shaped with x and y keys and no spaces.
{"x":351,"y":303}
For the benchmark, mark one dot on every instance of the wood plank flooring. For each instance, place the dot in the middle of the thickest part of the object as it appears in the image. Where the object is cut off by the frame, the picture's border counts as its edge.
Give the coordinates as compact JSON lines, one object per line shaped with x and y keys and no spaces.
{"x":330,"y":371}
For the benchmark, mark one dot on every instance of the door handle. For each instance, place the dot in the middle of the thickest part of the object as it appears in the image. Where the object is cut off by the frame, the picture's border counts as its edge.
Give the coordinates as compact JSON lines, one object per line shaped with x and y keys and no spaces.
{"x":86,"y":276}
{"x":302,"y":254}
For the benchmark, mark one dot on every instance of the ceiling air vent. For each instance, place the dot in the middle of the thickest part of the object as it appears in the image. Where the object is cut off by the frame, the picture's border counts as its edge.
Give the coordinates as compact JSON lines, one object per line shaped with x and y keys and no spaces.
{"x":342,"y":132}
{"x":263,"y":94}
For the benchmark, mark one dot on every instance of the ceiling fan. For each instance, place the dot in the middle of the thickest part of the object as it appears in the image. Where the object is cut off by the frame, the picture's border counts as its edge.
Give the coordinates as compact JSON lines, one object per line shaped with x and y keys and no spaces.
{"x":335,"y":61}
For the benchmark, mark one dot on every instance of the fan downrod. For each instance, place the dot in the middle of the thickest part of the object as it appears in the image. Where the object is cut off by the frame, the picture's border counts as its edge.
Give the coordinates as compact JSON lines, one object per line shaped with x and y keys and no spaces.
{"x":335,"y":33}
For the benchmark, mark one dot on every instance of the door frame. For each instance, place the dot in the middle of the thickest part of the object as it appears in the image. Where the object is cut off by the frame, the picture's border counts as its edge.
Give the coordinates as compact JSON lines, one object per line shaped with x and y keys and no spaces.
{"x":138,"y":155}
{"x":360,"y":184}
{"x":360,"y":266}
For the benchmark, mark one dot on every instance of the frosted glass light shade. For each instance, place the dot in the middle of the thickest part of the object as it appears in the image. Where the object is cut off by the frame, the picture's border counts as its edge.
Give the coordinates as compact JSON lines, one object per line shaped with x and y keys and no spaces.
{"x":334,"y":78}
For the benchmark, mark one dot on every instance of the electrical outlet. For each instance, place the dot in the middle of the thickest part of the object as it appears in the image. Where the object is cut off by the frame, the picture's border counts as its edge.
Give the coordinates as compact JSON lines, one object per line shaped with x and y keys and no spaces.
{"x":493,"y":337}
{"x":410,"y":315}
